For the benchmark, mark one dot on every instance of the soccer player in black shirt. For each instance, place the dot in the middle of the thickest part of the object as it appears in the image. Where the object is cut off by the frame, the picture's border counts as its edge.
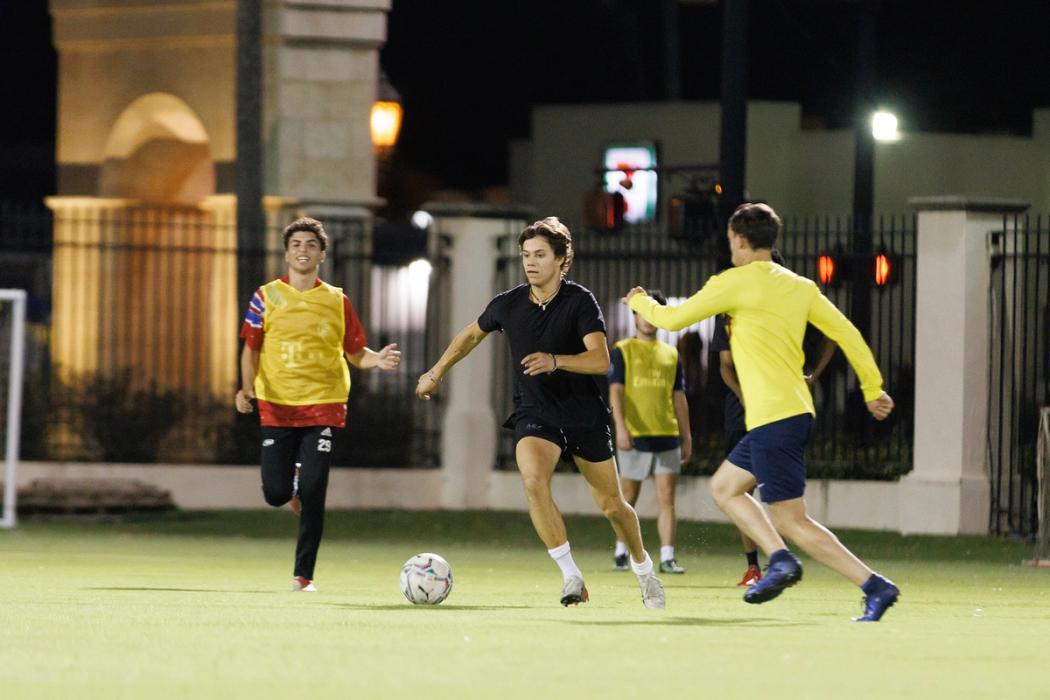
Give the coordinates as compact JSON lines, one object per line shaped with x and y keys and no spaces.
{"x":557,"y":339}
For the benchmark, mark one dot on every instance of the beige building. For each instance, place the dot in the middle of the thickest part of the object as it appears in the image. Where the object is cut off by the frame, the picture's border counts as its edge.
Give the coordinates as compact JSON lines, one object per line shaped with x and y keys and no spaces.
{"x":146,"y":151}
{"x":801,"y":172}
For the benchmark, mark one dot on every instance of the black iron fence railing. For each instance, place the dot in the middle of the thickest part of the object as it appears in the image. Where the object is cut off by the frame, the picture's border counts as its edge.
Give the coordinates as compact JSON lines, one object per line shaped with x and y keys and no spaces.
{"x":847,"y":442}
{"x":1019,"y":369}
{"x":133,"y":335}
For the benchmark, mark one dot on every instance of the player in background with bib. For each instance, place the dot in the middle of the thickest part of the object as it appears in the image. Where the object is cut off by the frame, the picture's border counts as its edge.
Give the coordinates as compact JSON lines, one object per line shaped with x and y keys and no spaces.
{"x":296,"y":333}
{"x":647,"y":395}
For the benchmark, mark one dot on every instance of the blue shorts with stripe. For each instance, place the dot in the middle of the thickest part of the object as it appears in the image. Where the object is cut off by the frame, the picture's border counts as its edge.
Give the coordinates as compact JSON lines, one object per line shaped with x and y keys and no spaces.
{"x":776,"y":454}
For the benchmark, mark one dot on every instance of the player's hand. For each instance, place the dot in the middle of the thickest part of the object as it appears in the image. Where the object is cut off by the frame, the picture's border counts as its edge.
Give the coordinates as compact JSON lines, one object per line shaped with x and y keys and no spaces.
{"x":881,"y":407}
{"x":627,"y":297}
{"x":538,"y":363}
{"x":388,"y":358}
{"x":243,"y":400}
{"x":426,"y":385}
{"x":810,"y":379}
{"x":687,"y":450}
{"x":623,"y":440}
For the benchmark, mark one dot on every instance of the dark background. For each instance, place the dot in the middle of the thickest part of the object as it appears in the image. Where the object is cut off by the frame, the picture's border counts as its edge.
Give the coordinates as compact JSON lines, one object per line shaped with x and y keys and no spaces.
{"x":469,"y":70}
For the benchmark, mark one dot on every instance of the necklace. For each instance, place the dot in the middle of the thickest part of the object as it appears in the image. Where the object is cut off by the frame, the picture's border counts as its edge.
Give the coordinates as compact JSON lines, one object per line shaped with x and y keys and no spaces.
{"x":543,"y":304}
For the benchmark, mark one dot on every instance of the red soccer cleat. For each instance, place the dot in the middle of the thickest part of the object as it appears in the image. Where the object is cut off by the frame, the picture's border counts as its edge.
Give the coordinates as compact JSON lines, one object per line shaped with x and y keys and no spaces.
{"x":752,"y":576}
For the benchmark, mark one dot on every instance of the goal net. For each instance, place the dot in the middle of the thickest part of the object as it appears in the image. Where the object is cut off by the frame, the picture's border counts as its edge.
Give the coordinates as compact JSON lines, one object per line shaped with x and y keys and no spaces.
{"x":12,"y":359}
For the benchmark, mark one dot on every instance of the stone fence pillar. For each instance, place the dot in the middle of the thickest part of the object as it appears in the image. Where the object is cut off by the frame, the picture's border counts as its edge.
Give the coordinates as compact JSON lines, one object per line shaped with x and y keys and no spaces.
{"x":948,"y":490}
{"x":470,"y":424}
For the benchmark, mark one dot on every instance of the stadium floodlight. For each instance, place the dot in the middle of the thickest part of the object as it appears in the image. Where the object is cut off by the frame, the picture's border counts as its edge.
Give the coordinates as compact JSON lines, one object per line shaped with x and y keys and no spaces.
{"x":884,"y":126}
{"x":12,"y":326}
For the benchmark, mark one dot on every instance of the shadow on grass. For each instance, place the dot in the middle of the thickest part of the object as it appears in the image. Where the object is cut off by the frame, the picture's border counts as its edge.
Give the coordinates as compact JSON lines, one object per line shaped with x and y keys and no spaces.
{"x":690,"y":622}
{"x":406,"y":606}
{"x":166,"y":590}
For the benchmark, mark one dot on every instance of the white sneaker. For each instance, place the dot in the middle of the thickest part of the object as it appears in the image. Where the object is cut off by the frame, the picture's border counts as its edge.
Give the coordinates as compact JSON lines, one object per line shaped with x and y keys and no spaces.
{"x":574,"y":592}
{"x":303,"y":585}
{"x":653,"y":595}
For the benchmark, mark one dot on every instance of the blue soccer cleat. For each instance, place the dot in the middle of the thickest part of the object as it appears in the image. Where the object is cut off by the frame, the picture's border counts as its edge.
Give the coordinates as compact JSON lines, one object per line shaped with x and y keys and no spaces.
{"x":783,"y":572}
{"x":880,"y":600}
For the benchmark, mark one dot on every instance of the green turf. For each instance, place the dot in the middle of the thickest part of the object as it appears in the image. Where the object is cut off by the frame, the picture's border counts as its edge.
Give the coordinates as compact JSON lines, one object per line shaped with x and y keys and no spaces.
{"x":195,"y":605}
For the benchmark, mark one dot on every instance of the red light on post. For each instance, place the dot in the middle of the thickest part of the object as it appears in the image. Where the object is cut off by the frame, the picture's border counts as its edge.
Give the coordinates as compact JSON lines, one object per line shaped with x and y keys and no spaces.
{"x":826,"y":269}
{"x":883,"y":269}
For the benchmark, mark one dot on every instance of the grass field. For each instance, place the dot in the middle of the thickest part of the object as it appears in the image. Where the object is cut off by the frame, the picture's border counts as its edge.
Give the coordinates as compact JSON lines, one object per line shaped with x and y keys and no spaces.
{"x":197,"y":605}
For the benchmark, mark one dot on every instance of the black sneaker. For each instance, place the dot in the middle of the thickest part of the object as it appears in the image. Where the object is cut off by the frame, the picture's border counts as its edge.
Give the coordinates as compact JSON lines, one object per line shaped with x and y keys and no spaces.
{"x":784,"y":573}
{"x":671,"y":567}
{"x":620,"y":562}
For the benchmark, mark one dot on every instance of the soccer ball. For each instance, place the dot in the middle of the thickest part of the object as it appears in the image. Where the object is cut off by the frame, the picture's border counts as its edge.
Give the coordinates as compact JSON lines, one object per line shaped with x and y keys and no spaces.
{"x":426,"y":579}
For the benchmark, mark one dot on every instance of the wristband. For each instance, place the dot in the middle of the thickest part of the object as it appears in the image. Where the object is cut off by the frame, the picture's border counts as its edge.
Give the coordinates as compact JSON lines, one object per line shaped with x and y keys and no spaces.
{"x":555,"y":359}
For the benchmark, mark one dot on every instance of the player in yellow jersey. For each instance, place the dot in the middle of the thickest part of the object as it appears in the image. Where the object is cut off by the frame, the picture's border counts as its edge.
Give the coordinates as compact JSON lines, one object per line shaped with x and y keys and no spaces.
{"x":770,"y":307}
{"x":647,"y":397}
{"x":296,"y":334}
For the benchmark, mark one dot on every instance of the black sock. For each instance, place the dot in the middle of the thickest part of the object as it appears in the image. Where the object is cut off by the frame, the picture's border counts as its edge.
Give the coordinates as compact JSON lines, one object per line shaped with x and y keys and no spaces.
{"x":752,"y":557}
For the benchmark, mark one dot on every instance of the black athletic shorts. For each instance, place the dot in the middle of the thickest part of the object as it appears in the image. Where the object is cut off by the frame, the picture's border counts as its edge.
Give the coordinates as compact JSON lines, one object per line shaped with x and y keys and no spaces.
{"x":591,"y":444}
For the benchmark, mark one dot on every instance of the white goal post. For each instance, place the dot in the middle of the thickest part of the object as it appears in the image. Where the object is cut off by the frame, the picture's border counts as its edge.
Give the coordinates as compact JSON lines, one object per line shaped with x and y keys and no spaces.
{"x":16,"y":368}
{"x":1042,"y":554}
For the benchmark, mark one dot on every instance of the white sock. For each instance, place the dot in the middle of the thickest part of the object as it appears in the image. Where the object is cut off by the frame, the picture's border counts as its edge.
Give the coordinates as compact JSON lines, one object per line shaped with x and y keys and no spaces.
{"x":667,"y":553}
{"x":562,"y":556}
{"x":621,"y":548}
{"x":643,"y":569}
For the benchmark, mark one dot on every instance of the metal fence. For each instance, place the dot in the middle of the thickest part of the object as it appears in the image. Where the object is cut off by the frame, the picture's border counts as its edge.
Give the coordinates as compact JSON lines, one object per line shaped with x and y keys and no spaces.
{"x":1019,"y":368}
{"x":133,"y":321}
{"x":847,"y":443}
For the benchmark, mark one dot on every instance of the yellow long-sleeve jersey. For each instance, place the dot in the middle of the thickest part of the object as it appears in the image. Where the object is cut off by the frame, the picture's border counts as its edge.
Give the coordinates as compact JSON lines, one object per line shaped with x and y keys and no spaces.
{"x":770,"y":306}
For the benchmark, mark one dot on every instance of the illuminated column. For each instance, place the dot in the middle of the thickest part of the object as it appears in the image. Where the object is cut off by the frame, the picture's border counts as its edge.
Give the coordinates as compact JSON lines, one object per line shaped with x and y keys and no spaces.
{"x":947,"y":491}
{"x":470,"y":424}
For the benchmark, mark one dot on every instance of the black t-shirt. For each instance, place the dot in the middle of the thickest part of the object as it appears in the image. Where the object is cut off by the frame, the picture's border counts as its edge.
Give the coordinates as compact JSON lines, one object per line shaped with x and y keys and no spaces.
{"x":564,"y":399}
{"x":734,"y":410}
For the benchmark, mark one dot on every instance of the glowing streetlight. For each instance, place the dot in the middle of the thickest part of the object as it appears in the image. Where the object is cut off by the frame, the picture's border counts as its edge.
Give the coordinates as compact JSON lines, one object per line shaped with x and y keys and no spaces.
{"x":386,"y":115}
{"x":884,"y":126}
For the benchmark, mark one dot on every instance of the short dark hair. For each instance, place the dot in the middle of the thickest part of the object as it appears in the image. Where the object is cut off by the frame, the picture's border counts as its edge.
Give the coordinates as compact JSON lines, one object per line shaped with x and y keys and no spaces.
{"x":658,"y":296}
{"x":557,"y":234}
{"x":757,"y":223}
{"x":311,"y":226}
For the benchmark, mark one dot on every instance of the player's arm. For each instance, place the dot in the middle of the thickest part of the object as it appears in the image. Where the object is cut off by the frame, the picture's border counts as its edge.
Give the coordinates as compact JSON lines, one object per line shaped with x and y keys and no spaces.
{"x":617,"y":377}
{"x":593,"y":360}
{"x":681,"y":414}
{"x":386,"y":359}
{"x":461,"y":346}
{"x":834,"y":324}
{"x":827,"y":351}
{"x":712,"y":299}
{"x":249,"y":368}
{"x":728,"y":371}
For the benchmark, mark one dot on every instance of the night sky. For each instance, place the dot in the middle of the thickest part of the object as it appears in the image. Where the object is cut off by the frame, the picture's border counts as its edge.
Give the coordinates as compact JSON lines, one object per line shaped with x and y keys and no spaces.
{"x":468,"y":71}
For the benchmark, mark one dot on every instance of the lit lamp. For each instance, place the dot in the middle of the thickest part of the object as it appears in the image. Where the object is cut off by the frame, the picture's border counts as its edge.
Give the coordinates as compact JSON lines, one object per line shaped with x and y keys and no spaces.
{"x":884,"y":126}
{"x":386,"y":116}
{"x":386,"y":123}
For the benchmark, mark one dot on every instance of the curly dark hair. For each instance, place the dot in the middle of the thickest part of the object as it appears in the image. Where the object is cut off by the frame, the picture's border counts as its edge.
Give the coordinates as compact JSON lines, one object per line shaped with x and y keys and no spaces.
{"x":307,"y":224}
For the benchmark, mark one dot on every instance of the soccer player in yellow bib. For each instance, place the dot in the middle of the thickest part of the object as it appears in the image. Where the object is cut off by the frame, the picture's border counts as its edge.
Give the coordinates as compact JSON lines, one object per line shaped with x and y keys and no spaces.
{"x":770,"y":306}
{"x":296,"y":334}
{"x":647,"y":397}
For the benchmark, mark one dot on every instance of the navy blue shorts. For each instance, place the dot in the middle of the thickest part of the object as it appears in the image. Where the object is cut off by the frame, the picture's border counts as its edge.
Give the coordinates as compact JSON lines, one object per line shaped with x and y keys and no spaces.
{"x":591,"y":444}
{"x":776,"y":454}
